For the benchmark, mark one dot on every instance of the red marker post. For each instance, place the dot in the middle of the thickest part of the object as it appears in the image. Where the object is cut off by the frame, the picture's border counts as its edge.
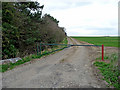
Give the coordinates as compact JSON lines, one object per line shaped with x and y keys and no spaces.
{"x":102,"y":52}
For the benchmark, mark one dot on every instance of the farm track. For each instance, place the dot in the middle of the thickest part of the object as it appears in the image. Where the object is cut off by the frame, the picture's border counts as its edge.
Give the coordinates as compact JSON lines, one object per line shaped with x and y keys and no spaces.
{"x":69,"y":68}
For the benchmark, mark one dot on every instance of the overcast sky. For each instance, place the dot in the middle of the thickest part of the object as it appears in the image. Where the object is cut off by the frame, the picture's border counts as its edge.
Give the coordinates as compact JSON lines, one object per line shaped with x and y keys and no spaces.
{"x":84,"y":17}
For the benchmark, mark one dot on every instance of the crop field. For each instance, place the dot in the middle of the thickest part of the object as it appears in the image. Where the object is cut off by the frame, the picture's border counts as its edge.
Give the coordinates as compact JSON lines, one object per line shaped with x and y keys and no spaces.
{"x":107,"y":41}
{"x":109,"y":71}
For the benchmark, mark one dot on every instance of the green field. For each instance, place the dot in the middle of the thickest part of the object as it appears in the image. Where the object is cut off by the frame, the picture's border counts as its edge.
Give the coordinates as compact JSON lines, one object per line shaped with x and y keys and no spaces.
{"x":107,"y":41}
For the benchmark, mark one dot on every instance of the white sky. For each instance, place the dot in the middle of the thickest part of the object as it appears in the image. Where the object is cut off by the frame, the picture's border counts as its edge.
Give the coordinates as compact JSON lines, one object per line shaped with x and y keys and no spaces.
{"x":84,"y":17}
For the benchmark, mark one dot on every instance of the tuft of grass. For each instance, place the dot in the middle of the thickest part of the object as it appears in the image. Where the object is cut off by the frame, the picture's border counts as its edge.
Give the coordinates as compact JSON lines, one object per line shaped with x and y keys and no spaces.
{"x":100,"y":58}
{"x":61,"y":61}
{"x":110,"y":71}
{"x":65,"y":41}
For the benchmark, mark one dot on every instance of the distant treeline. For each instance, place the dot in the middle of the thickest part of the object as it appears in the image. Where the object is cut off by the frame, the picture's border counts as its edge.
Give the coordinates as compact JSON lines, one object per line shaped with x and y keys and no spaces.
{"x":23,"y":27}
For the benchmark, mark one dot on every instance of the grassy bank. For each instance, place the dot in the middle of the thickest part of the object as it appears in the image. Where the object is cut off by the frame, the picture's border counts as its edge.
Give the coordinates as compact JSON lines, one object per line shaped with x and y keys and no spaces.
{"x":109,"y":69}
{"x":107,"y":41}
{"x":55,"y":47}
{"x":65,"y":41}
{"x":10,"y":66}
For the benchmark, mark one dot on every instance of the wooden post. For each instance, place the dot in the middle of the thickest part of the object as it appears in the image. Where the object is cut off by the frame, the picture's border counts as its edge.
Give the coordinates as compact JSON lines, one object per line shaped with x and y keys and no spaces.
{"x":37,"y":49}
{"x":40,"y":49}
{"x":102,"y":52}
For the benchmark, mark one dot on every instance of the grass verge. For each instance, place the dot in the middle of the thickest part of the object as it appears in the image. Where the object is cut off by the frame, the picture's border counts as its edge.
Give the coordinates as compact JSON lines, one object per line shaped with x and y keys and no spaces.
{"x":109,"y":70}
{"x":9,"y":66}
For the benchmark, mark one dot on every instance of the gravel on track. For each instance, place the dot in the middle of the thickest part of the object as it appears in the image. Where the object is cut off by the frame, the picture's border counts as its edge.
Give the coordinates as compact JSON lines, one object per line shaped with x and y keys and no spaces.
{"x":69,"y":68}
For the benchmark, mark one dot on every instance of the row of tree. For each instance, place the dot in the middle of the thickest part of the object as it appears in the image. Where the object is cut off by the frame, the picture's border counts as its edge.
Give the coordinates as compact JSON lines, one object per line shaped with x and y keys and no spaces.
{"x":0,"y":31}
{"x":23,"y":27}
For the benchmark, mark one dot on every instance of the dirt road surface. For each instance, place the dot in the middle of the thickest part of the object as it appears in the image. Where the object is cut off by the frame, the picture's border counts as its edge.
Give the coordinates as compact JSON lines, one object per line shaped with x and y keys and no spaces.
{"x":69,"y":68}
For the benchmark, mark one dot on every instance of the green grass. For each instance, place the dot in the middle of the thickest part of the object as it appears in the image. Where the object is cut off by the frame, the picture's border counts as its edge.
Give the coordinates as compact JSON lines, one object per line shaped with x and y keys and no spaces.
{"x":107,"y":41}
{"x":110,"y":70}
{"x":56,"y":47}
{"x":10,"y":66}
{"x":65,"y":41}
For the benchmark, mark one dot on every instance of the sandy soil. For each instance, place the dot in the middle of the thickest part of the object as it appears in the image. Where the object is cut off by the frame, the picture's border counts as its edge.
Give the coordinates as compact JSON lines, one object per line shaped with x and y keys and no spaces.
{"x":69,"y":68}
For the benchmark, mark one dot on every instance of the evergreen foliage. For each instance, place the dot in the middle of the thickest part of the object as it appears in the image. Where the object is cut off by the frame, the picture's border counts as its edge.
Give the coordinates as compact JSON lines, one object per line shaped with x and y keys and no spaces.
{"x":23,"y":27}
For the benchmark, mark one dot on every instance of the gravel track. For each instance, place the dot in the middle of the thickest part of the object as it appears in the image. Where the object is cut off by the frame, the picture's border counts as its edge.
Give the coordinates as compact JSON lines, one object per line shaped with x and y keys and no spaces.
{"x":69,"y":68}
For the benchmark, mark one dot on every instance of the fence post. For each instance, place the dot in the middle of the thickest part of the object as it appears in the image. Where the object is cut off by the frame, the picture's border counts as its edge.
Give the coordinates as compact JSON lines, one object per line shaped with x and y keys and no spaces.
{"x":40,"y":49}
{"x":37,"y":49}
{"x":102,"y":52}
